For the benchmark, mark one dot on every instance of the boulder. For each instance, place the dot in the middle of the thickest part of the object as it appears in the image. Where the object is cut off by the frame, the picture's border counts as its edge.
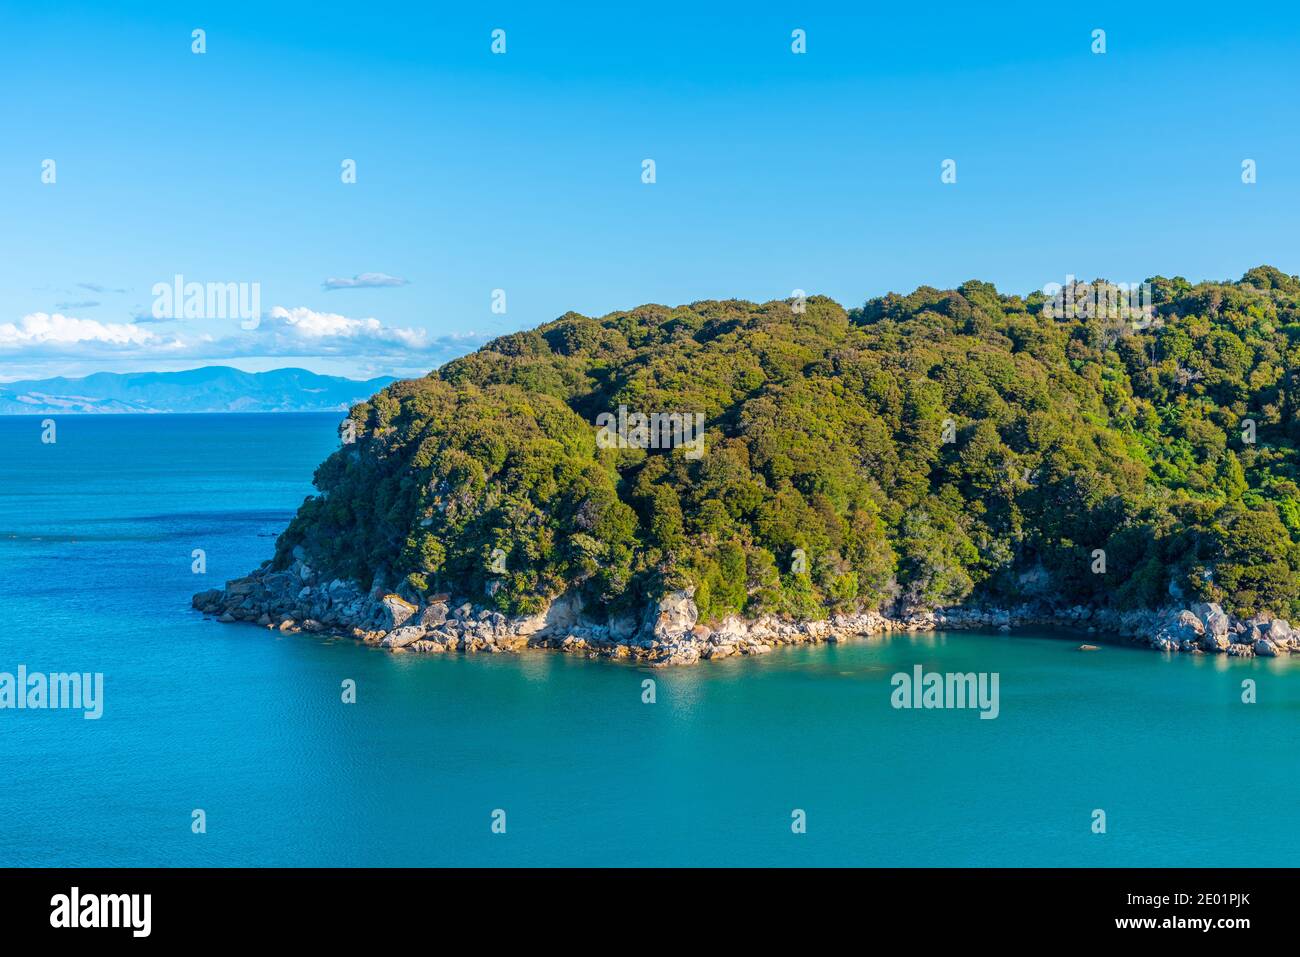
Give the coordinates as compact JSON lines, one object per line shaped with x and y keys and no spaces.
{"x":1181,"y":630}
{"x":816,"y":630}
{"x":207,"y":601}
{"x":729,"y":631}
{"x":559,"y":618}
{"x":1213,"y":642}
{"x":434,"y":615}
{"x":445,"y":640}
{"x":1186,"y":625}
{"x":394,"y":612}
{"x":1281,"y":633}
{"x":1265,"y":648}
{"x":1218,"y":624}
{"x":680,"y":653}
{"x":1204,"y":610}
{"x":401,"y":637}
{"x":673,"y":616}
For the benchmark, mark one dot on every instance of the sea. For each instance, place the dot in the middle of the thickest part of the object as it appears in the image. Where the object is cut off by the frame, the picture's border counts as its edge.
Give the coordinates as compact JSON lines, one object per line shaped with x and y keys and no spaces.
{"x":230,"y":744}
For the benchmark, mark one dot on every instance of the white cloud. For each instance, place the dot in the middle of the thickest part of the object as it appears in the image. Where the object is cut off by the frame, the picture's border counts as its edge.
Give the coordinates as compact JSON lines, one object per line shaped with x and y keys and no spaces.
{"x":298,"y":331}
{"x":307,"y":326}
{"x":44,"y":330}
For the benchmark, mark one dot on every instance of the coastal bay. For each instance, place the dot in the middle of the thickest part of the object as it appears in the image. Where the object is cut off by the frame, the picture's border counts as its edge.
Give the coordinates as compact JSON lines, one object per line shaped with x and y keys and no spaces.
{"x":247,"y":723}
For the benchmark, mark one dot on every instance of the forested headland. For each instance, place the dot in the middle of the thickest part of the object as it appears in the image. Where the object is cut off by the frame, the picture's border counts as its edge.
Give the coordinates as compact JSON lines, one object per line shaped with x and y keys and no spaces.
{"x":922,"y":450}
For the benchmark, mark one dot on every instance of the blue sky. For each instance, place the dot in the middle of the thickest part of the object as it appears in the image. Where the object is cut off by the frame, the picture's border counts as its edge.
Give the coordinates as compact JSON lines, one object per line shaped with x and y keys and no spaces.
{"x":522,"y":171}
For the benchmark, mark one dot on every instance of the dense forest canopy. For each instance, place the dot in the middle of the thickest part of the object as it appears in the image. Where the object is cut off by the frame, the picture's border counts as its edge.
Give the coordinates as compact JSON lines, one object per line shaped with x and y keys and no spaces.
{"x":923,"y":450}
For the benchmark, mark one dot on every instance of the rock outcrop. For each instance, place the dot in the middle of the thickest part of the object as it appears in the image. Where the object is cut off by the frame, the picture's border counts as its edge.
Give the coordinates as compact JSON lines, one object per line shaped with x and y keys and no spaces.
{"x":669,"y":631}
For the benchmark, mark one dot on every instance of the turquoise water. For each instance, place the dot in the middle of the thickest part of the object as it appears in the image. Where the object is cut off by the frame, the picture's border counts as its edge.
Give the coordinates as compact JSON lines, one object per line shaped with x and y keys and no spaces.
{"x":96,"y":533}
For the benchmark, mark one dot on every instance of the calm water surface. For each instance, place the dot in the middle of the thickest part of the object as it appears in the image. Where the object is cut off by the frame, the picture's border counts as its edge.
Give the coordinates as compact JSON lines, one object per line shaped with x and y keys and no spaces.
{"x":96,"y":533}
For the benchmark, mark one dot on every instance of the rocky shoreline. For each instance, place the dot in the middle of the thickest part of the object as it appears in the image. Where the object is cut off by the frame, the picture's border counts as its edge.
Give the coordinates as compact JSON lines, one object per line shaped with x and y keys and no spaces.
{"x":669,"y":632}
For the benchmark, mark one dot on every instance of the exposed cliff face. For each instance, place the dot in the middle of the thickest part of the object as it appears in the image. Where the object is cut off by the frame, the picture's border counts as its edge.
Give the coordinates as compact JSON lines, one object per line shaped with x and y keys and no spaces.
{"x":669,"y":631}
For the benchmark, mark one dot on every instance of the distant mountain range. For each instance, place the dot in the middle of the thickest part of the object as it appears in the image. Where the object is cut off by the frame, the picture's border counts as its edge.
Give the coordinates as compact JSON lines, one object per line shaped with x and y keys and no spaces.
{"x":210,"y":389}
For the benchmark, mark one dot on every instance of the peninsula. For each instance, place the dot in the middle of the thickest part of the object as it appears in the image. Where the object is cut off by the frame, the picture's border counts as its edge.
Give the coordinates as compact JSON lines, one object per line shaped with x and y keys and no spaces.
{"x":947,"y":458}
